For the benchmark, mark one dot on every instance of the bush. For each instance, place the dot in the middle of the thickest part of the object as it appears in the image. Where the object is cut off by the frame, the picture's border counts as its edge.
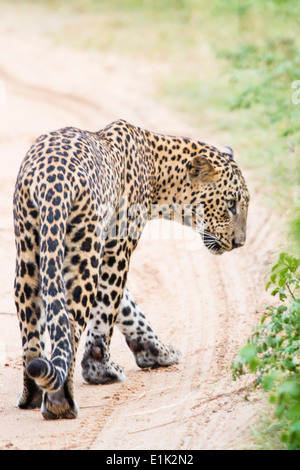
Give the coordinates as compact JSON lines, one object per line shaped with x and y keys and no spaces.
{"x":273,"y":350}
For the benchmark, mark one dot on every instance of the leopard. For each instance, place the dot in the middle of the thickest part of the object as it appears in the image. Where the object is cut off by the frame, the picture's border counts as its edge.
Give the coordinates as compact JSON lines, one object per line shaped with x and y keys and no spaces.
{"x":81,"y":201}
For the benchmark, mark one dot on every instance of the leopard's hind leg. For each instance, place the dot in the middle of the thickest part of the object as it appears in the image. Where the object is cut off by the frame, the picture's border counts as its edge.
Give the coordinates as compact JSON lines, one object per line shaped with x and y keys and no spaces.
{"x":83,"y":251}
{"x":28,"y":304}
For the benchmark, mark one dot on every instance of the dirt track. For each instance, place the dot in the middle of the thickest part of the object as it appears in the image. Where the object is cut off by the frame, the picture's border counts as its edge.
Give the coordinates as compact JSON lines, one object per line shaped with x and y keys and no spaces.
{"x":205,"y":305}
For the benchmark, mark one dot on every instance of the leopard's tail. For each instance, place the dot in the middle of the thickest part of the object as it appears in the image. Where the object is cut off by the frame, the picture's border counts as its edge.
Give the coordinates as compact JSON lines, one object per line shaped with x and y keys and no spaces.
{"x":51,"y":374}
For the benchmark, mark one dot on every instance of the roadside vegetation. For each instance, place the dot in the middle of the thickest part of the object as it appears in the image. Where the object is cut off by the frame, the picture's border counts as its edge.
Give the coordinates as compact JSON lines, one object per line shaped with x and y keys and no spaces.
{"x":273,"y":354}
{"x":233,"y":69}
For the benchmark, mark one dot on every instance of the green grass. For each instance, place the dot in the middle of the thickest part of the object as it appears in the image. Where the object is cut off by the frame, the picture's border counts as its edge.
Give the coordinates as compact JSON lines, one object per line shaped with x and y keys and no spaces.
{"x":230,"y":69}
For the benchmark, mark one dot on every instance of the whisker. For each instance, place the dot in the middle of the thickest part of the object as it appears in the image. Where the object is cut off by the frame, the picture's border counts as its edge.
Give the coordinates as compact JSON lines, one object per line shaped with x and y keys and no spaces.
{"x":210,"y":240}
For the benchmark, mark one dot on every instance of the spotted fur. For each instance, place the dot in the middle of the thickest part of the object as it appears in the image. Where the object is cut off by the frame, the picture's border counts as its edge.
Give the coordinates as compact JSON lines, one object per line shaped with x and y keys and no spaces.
{"x":80,"y":204}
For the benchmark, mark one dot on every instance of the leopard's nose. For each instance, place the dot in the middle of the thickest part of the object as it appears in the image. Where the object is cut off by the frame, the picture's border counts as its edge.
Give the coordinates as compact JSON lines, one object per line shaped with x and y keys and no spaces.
{"x":236,"y":244}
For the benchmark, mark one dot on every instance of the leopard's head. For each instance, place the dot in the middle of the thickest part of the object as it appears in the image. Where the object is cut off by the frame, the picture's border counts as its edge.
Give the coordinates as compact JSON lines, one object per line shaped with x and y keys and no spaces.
{"x":216,"y":187}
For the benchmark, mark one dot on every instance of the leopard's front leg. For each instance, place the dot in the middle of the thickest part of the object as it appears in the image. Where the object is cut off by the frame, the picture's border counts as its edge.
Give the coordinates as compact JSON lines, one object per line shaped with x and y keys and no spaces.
{"x":97,"y":367}
{"x":146,"y":347}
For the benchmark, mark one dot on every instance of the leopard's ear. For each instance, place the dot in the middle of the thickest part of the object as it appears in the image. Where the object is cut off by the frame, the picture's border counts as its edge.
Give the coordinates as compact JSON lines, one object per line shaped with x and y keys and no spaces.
{"x":227,"y":151}
{"x":201,"y":170}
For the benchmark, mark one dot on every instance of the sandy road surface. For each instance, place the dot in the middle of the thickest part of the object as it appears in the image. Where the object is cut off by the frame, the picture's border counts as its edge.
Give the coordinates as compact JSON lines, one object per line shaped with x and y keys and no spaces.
{"x":205,"y":305}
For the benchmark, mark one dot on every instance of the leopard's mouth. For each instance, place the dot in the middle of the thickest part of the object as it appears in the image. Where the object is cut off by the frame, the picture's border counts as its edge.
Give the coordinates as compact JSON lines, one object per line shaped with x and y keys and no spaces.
{"x":211,"y":241}
{"x":213,"y":244}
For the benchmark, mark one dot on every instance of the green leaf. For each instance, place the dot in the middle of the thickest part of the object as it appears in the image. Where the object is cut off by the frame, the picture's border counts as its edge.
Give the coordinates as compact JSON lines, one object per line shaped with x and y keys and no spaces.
{"x":280,"y":410}
{"x":272,"y":399}
{"x":294,"y":412}
{"x":248,"y":352}
{"x":271,"y":341}
{"x":283,"y":272}
{"x":282,"y":294}
{"x":274,"y":268}
{"x":282,"y":257}
{"x":295,"y":427}
{"x":289,"y":388}
{"x":269,"y":379}
{"x":294,"y":435}
{"x":282,"y":308}
{"x":288,"y":363}
{"x":275,"y":291}
{"x":268,"y":285}
{"x":263,"y":319}
{"x":273,"y":278}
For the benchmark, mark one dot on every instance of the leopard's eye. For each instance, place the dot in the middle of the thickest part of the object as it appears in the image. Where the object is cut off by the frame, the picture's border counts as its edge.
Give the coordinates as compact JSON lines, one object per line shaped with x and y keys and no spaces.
{"x":231,"y":205}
